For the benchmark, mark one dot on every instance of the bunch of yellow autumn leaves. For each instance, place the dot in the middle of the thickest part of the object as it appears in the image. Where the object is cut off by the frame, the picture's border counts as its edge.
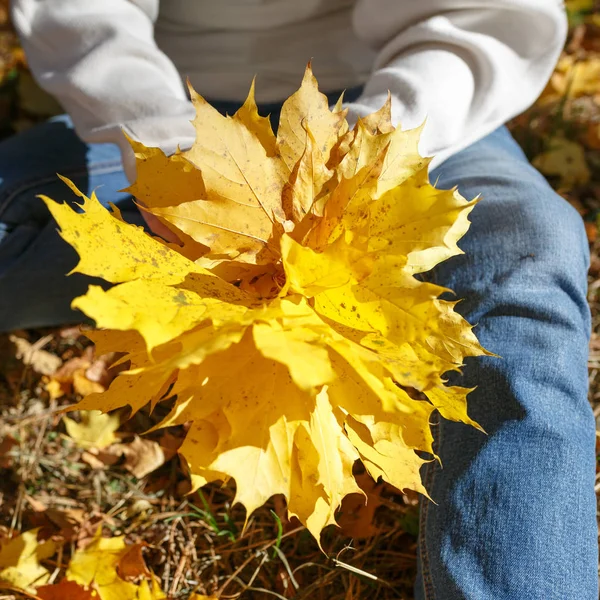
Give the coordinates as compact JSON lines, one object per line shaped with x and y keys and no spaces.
{"x":287,"y":324}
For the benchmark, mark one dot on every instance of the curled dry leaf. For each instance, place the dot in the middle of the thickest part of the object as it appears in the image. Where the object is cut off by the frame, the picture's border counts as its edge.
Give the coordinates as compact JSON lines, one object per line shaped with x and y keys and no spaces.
{"x":83,"y":375}
{"x":64,"y":523}
{"x":294,"y":338}
{"x":141,"y":456}
{"x":34,"y":355}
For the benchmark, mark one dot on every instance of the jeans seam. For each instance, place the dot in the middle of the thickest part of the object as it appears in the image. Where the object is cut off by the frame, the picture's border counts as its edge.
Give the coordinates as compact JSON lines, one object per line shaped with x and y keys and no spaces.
{"x":428,"y":588}
{"x":97,"y":169}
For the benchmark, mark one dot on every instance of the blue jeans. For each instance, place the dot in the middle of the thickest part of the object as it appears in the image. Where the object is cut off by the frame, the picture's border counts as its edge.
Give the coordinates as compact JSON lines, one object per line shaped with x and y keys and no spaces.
{"x":515,"y":512}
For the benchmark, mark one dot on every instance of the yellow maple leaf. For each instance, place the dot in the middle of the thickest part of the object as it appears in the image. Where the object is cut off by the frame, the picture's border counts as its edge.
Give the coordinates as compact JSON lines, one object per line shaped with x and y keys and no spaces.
{"x":20,"y":560}
{"x":573,"y":78}
{"x":299,"y":341}
{"x":564,"y":159}
{"x":95,"y":430}
{"x":96,"y":566}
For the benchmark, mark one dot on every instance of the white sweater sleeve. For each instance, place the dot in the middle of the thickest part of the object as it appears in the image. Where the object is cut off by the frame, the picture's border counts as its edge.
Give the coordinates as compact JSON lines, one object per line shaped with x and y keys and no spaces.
{"x":99,"y":59}
{"x":466,"y":66}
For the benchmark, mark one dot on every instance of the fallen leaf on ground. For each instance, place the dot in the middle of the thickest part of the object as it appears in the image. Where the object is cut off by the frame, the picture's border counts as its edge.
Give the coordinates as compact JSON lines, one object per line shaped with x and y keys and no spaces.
{"x":565,"y":159}
{"x":40,"y":360}
{"x":96,"y":566}
{"x":132,"y":565}
{"x":142,"y":456}
{"x":95,"y":429}
{"x":358,"y":511}
{"x":100,"y":459}
{"x":84,"y":386}
{"x":591,"y":230}
{"x":580,"y":5}
{"x":65,"y":590}
{"x":20,"y":560}
{"x":83,"y":375}
{"x":55,"y":389}
{"x":575,"y":78}
{"x":64,"y":523}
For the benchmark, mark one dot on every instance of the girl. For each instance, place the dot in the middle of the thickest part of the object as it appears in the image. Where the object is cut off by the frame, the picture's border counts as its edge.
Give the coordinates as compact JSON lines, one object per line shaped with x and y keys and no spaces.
{"x":515,"y":512}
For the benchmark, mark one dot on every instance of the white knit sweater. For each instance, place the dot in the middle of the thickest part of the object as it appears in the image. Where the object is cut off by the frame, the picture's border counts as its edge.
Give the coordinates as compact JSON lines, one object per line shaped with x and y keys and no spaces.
{"x":466,"y":65}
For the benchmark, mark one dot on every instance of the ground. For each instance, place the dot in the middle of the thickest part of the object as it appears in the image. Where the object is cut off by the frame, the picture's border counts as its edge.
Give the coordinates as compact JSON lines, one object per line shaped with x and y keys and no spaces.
{"x":52,"y":480}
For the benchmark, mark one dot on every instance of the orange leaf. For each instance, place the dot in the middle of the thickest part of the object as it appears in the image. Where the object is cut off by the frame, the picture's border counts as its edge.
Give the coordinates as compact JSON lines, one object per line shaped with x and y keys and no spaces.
{"x":65,"y":590}
{"x":132,"y":564}
{"x":357,"y":512}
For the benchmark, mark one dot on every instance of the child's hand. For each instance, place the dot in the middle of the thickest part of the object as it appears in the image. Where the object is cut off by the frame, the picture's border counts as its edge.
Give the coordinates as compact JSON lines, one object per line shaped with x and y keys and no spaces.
{"x":157,"y":227}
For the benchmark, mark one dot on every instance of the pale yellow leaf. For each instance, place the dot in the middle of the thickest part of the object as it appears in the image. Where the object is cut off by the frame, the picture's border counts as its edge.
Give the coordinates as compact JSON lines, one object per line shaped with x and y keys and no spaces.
{"x":307,"y":108}
{"x":311,"y":182}
{"x":389,"y":458}
{"x":20,"y":560}
{"x":564,"y":159}
{"x":420,"y":222}
{"x":309,"y":272}
{"x":297,"y":348}
{"x":451,"y":401}
{"x":248,"y":115}
{"x":94,"y":430}
{"x":227,"y":228}
{"x":300,"y":340}
{"x":234,"y":164}
{"x":381,"y":120}
{"x":150,"y":591}
{"x":159,"y":312}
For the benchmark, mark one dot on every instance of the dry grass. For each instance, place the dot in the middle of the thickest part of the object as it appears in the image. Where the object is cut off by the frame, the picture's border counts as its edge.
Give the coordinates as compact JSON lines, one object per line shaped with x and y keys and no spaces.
{"x":197,"y":542}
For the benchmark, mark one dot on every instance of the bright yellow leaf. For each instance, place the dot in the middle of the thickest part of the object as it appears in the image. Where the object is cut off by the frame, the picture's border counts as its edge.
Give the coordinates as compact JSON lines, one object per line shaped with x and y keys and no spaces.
{"x":20,"y":560}
{"x":101,"y":234}
{"x":95,"y":429}
{"x":96,"y":565}
{"x":155,"y":172}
